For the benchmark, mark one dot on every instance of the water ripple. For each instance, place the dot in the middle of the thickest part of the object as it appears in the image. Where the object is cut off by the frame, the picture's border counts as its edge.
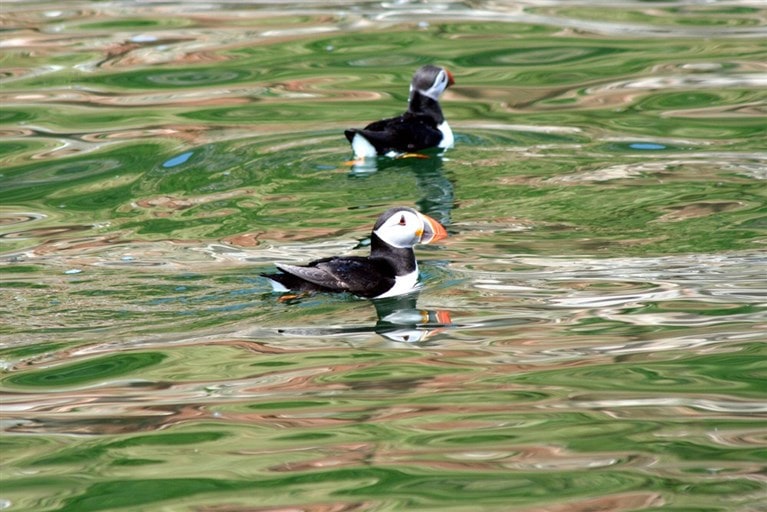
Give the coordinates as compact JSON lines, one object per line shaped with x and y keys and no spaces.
{"x":590,"y":335}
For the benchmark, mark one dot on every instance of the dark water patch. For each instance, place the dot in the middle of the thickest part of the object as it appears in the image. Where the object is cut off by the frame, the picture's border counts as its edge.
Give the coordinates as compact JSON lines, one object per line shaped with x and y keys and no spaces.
{"x":704,"y":15}
{"x":88,"y":371}
{"x":58,"y":182}
{"x":20,"y":269}
{"x":21,"y":284}
{"x":15,"y":116}
{"x":696,"y":99}
{"x":687,"y":375}
{"x":128,"y":24}
{"x":30,"y":350}
{"x":192,"y":77}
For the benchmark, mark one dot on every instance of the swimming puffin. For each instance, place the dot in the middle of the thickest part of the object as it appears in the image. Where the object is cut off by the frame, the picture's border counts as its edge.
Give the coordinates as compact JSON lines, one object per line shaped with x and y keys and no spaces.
{"x":422,"y":126}
{"x":390,"y":270}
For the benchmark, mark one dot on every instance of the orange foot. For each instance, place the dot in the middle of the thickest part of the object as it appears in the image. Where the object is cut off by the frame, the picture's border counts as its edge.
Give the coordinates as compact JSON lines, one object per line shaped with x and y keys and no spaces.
{"x":287,"y":297}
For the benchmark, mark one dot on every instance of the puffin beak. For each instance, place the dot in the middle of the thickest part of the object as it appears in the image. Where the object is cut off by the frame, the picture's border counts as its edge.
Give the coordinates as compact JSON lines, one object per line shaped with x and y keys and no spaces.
{"x":450,"y":79}
{"x":432,"y":230}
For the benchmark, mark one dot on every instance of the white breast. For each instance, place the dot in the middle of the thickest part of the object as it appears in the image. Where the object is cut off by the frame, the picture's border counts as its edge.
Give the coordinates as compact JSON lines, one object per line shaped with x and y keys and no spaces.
{"x":447,"y":135}
{"x":402,"y":285}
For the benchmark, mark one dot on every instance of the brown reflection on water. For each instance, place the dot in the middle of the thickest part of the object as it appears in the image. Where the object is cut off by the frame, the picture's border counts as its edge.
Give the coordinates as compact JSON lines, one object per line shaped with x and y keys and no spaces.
{"x":129,"y":54}
{"x":182,"y":203}
{"x":191,"y":133}
{"x":13,"y":218}
{"x":700,"y":209}
{"x":43,"y":232}
{"x":614,"y":503}
{"x":74,"y":246}
{"x":152,"y":405}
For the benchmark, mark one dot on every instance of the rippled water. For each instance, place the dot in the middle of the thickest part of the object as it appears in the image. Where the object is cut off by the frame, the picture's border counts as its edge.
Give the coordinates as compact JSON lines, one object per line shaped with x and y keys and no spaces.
{"x":589,"y":337}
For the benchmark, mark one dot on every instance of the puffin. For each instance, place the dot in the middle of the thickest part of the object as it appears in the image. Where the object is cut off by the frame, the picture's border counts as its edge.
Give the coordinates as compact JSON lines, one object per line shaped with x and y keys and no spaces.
{"x":390,"y":270}
{"x":422,"y":126}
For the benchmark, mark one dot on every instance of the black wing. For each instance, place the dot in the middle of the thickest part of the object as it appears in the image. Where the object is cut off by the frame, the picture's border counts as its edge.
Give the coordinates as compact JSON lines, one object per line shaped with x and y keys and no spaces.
{"x":361,"y":276}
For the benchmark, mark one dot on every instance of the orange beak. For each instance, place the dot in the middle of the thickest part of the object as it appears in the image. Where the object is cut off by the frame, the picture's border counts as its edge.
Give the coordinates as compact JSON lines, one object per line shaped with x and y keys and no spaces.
{"x":450,"y":79}
{"x":432,"y":230}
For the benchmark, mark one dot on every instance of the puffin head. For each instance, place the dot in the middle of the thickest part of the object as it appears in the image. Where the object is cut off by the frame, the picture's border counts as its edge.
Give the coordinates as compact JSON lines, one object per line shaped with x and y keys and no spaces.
{"x":405,"y":227}
{"x":431,"y":81}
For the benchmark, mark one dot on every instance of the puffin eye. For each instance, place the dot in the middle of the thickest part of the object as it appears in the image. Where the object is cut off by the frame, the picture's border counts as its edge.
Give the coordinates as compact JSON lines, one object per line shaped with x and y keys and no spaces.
{"x":402,"y":220}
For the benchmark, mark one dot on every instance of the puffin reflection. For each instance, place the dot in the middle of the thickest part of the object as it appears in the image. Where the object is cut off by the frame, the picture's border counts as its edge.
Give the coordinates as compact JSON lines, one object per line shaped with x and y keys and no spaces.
{"x":400,"y":320}
{"x":435,"y":192}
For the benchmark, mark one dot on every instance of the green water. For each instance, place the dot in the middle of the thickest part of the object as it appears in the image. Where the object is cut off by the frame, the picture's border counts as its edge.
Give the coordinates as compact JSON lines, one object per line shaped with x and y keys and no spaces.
{"x":589,"y":337}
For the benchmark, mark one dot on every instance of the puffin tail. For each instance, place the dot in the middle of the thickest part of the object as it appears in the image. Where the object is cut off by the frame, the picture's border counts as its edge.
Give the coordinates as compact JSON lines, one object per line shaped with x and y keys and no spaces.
{"x":362,"y":147}
{"x":280,"y":282}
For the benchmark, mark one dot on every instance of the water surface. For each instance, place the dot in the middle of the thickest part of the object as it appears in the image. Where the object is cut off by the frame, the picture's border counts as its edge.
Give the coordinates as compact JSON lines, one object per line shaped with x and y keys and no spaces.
{"x":589,"y":337}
